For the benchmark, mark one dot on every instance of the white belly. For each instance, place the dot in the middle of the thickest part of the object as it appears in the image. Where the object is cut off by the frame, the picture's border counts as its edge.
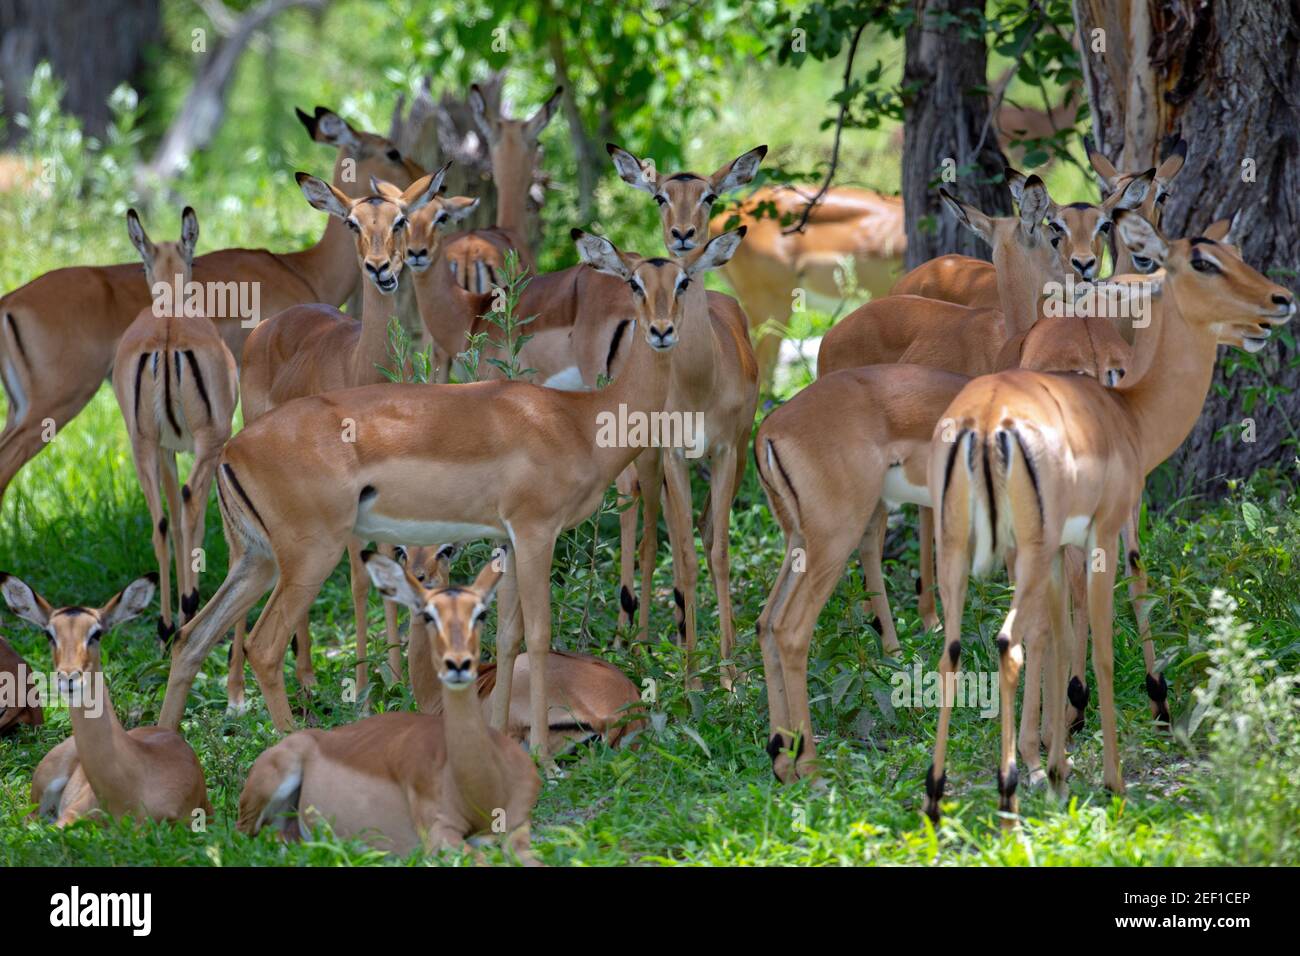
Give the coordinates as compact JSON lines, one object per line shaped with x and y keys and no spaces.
{"x":566,"y":380}
{"x":380,"y":527}
{"x":1075,"y":531}
{"x":899,"y":491}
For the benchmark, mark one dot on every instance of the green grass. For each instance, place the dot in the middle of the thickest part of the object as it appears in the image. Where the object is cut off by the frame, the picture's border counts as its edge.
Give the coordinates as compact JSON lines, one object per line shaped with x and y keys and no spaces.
{"x":699,"y":790}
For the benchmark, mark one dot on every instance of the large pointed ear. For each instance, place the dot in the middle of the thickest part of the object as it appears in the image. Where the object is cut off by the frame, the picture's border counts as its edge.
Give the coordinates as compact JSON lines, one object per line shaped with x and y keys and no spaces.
{"x":717,"y":252}
{"x":129,"y":602}
{"x":1104,"y":167}
{"x":485,"y":584}
{"x":1034,"y":203}
{"x":479,"y":108}
{"x":189,"y":233}
{"x":1015,"y":183}
{"x":632,"y":171}
{"x":970,"y":217}
{"x":139,"y":238}
{"x":1223,"y":230}
{"x":25,"y":602}
{"x":1141,"y":238}
{"x":601,"y":254}
{"x":1172,"y":164}
{"x":418,"y":194}
{"x":1131,"y":195}
{"x":381,"y":187}
{"x":456,"y":208}
{"x":333,"y":129}
{"x":394,"y":581}
{"x":324,"y":196}
{"x":537,"y":122}
{"x":739,"y":172}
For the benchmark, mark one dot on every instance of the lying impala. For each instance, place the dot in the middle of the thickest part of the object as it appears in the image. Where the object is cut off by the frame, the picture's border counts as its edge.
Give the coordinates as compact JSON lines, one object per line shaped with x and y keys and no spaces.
{"x":1039,"y":462}
{"x":403,"y":781}
{"x":587,"y":697}
{"x":17,"y":674}
{"x":430,"y":463}
{"x":59,"y":332}
{"x":176,"y":384}
{"x":477,"y":257}
{"x":148,"y":772}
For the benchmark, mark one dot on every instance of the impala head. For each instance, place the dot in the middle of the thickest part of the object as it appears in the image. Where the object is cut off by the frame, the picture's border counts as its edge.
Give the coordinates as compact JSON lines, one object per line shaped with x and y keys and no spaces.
{"x":1114,"y":181}
{"x":454,"y":614}
{"x":425,"y":232}
{"x":1080,"y":230}
{"x":659,"y":286}
{"x":513,"y":143}
{"x":431,"y":565}
{"x":165,"y":261}
{"x":74,"y":632}
{"x":1023,"y":250}
{"x":365,"y":154}
{"x":685,"y":199}
{"x":1211,"y":283}
{"x":379,"y":224}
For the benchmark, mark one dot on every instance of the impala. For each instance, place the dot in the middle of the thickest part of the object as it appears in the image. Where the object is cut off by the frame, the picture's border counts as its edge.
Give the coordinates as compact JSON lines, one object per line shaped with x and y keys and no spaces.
{"x":476,"y":257}
{"x":403,"y":781}
{"x":176,"y":384}
{"x":148,"y":772}
{"x":312,"y":349}
{"x":59,"y":332}
{"x":428,"y":463}
{"x":1038,"y":462}
{"x":18,"y":680}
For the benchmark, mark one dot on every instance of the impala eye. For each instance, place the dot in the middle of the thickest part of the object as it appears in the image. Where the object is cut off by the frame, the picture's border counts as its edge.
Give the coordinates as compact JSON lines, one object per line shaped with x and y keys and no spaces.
{"x":709,"y":200}
{"x":352,"y":225}
{"x":1056,"y":241}
{"x":93,"y":637}
{"x":660,"y":200}
{"x":636,"y":289}
{"x":400,"y":224}
{"x":682,"y":286}
{"x":394,"y":155}
{"x":1104,"y":228}
{"x":1205,"y":265}
{"x":439,"y":219}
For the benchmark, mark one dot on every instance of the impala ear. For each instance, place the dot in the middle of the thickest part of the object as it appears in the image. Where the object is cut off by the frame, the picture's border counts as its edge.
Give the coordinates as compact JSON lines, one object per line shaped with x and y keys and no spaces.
{"x":1015,"y":183}
{"x":1104,"y":167}
{"x":324,"y":196}
{"x":394,"y":581}
{"x":331,"y":128}
{"x":1034,"y":203}
{"x":139,"y":238}
{"x":1172,"y":164}
{"x":717,"y":252}
{"x":537,"y":122}
{"x":485,"y":584}
{"x":479,"y":108}
{"x":739,"y":172}
{"x":25,"y":602}
{"x":601,"y":254}
{"x":129,"y":602}
{"x":1132,"y":195}
{"x":970,"y":217}
{"x":401,"y":555}
{"x":1141,"y":237}
{"x":419,"y":193}
{"x":189,"y":233}
{"x":457,"y":208}
{"x":381,"y":187}
{"x":1222,"y":229}
{"x":632,"y":171}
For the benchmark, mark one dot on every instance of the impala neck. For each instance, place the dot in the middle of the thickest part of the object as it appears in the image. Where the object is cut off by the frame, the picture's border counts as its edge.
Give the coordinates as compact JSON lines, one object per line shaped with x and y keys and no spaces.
{"x":442,"y":306}
{"x":102,"y":744}
{"x":372,"y":348}
{"x":330,"y":265}
{"x":513,"y":173}
{"x":471,"y":749}
{"x":695,"y":358}
{"x":640,"y":389}
{"x":1179,"y":361}
{"x":1020,"y":292}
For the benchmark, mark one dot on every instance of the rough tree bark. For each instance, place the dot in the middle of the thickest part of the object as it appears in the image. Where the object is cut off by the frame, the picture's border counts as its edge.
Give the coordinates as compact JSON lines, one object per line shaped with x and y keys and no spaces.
{"x":1223,"y":75}
{"x":944,"y":78}
{"x":92,"y":47}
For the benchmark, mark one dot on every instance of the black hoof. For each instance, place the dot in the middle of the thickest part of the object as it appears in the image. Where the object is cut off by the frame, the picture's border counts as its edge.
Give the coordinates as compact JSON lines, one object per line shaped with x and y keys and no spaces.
{"x":933,"y":793}
{"x":1078,"y":695}
{"x":165,"y":633}
{"x":1158,"y":691}
{"x":1007,"y":789}
{"x":190,"y":603}
{"x":628,"y":600}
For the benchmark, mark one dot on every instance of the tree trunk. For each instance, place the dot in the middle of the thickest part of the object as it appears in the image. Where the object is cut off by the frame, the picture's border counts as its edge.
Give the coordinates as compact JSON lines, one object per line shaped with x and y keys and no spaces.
{"x":92,"y":47}
{"x":1222,"y":75}
{"x":947,"y":127}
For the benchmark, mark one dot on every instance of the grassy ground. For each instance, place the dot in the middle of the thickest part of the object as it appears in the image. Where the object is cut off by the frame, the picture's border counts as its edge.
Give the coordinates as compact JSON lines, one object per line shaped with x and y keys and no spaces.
{"x":699,"y":789}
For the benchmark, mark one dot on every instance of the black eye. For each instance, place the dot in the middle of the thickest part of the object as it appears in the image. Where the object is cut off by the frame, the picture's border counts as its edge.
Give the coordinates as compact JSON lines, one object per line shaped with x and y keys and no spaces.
{"x":399,"y":225}
{"x":681,"y":286}
{"x":709,"y":200}
{"x":1204,"y":265}
{"x":1104,"y":228}
{"x":439,"y":219}
{"x":1056,"y":241}
{"x":636,"y":289}
{"x":93,"y":638}
{"x":394,"y":155}
{"x":1161,"y":197}
{"x":352,"y":225}
{"x":479,"y":615}
{"x":660,"y":200}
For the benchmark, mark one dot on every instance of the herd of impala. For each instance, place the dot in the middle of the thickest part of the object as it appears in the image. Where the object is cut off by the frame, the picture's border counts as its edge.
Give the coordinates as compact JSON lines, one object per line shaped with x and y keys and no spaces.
{"x":1024,"y":439}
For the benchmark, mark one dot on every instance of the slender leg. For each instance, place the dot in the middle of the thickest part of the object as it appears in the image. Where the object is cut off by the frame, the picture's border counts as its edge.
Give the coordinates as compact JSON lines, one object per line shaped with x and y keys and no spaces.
{"x":686,"y":565}
{"x":534,"y":552}
{"x":777,"y":712}
{"x":1076,"y":575}
{"x":718,"y":548}
{"x":1035,"y":647}
{"x":628,"y":500}
{"x":925,"y":587}
{"x":510,"y":630}
{"x":148,"y":468}
{"x":195,"y":497}
{"x":22,"y":440}
{"x":650,"y":479}
{"x":954,"y":575}
{"x":1026,"y":615}
{"x":172,"y":488}
{"x":1058,"y":764}
{"x":1157,"y":686}
{"x":360,"y":593}
{"x":870,"y":554}
{"x":1101,"y":610}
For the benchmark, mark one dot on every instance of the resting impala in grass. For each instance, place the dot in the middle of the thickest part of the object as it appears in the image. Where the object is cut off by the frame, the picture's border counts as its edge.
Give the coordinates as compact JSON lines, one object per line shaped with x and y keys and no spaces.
{"x":18,"y":674}
{"x":176,"y":384}
{"x":431,"y":463}
{"x":404,"y":781}
{"x":147,"y":772}
{"x":59,"y":332}
{"x":1039,"y":462}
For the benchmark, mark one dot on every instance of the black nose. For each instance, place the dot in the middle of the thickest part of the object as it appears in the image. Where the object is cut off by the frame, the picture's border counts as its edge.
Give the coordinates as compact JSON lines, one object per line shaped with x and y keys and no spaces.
{"x":419,"y":253}
{"x":1281,"y":299}
{"x":680,"y":235}
{"x":1083,"y":265}
{"x":463,"y":666}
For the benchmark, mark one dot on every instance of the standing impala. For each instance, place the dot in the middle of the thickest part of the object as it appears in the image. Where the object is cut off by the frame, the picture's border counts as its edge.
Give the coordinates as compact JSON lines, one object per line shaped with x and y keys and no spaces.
{"x":477,"y":256}
{"x":147,"y":772}
{"x":176,"y":384}
{"x":1038,"y":462}
{"x":311,"y":349}
{"x":402,"y":781}
{"x":429,"y":463}
{"x":59,"y":332}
